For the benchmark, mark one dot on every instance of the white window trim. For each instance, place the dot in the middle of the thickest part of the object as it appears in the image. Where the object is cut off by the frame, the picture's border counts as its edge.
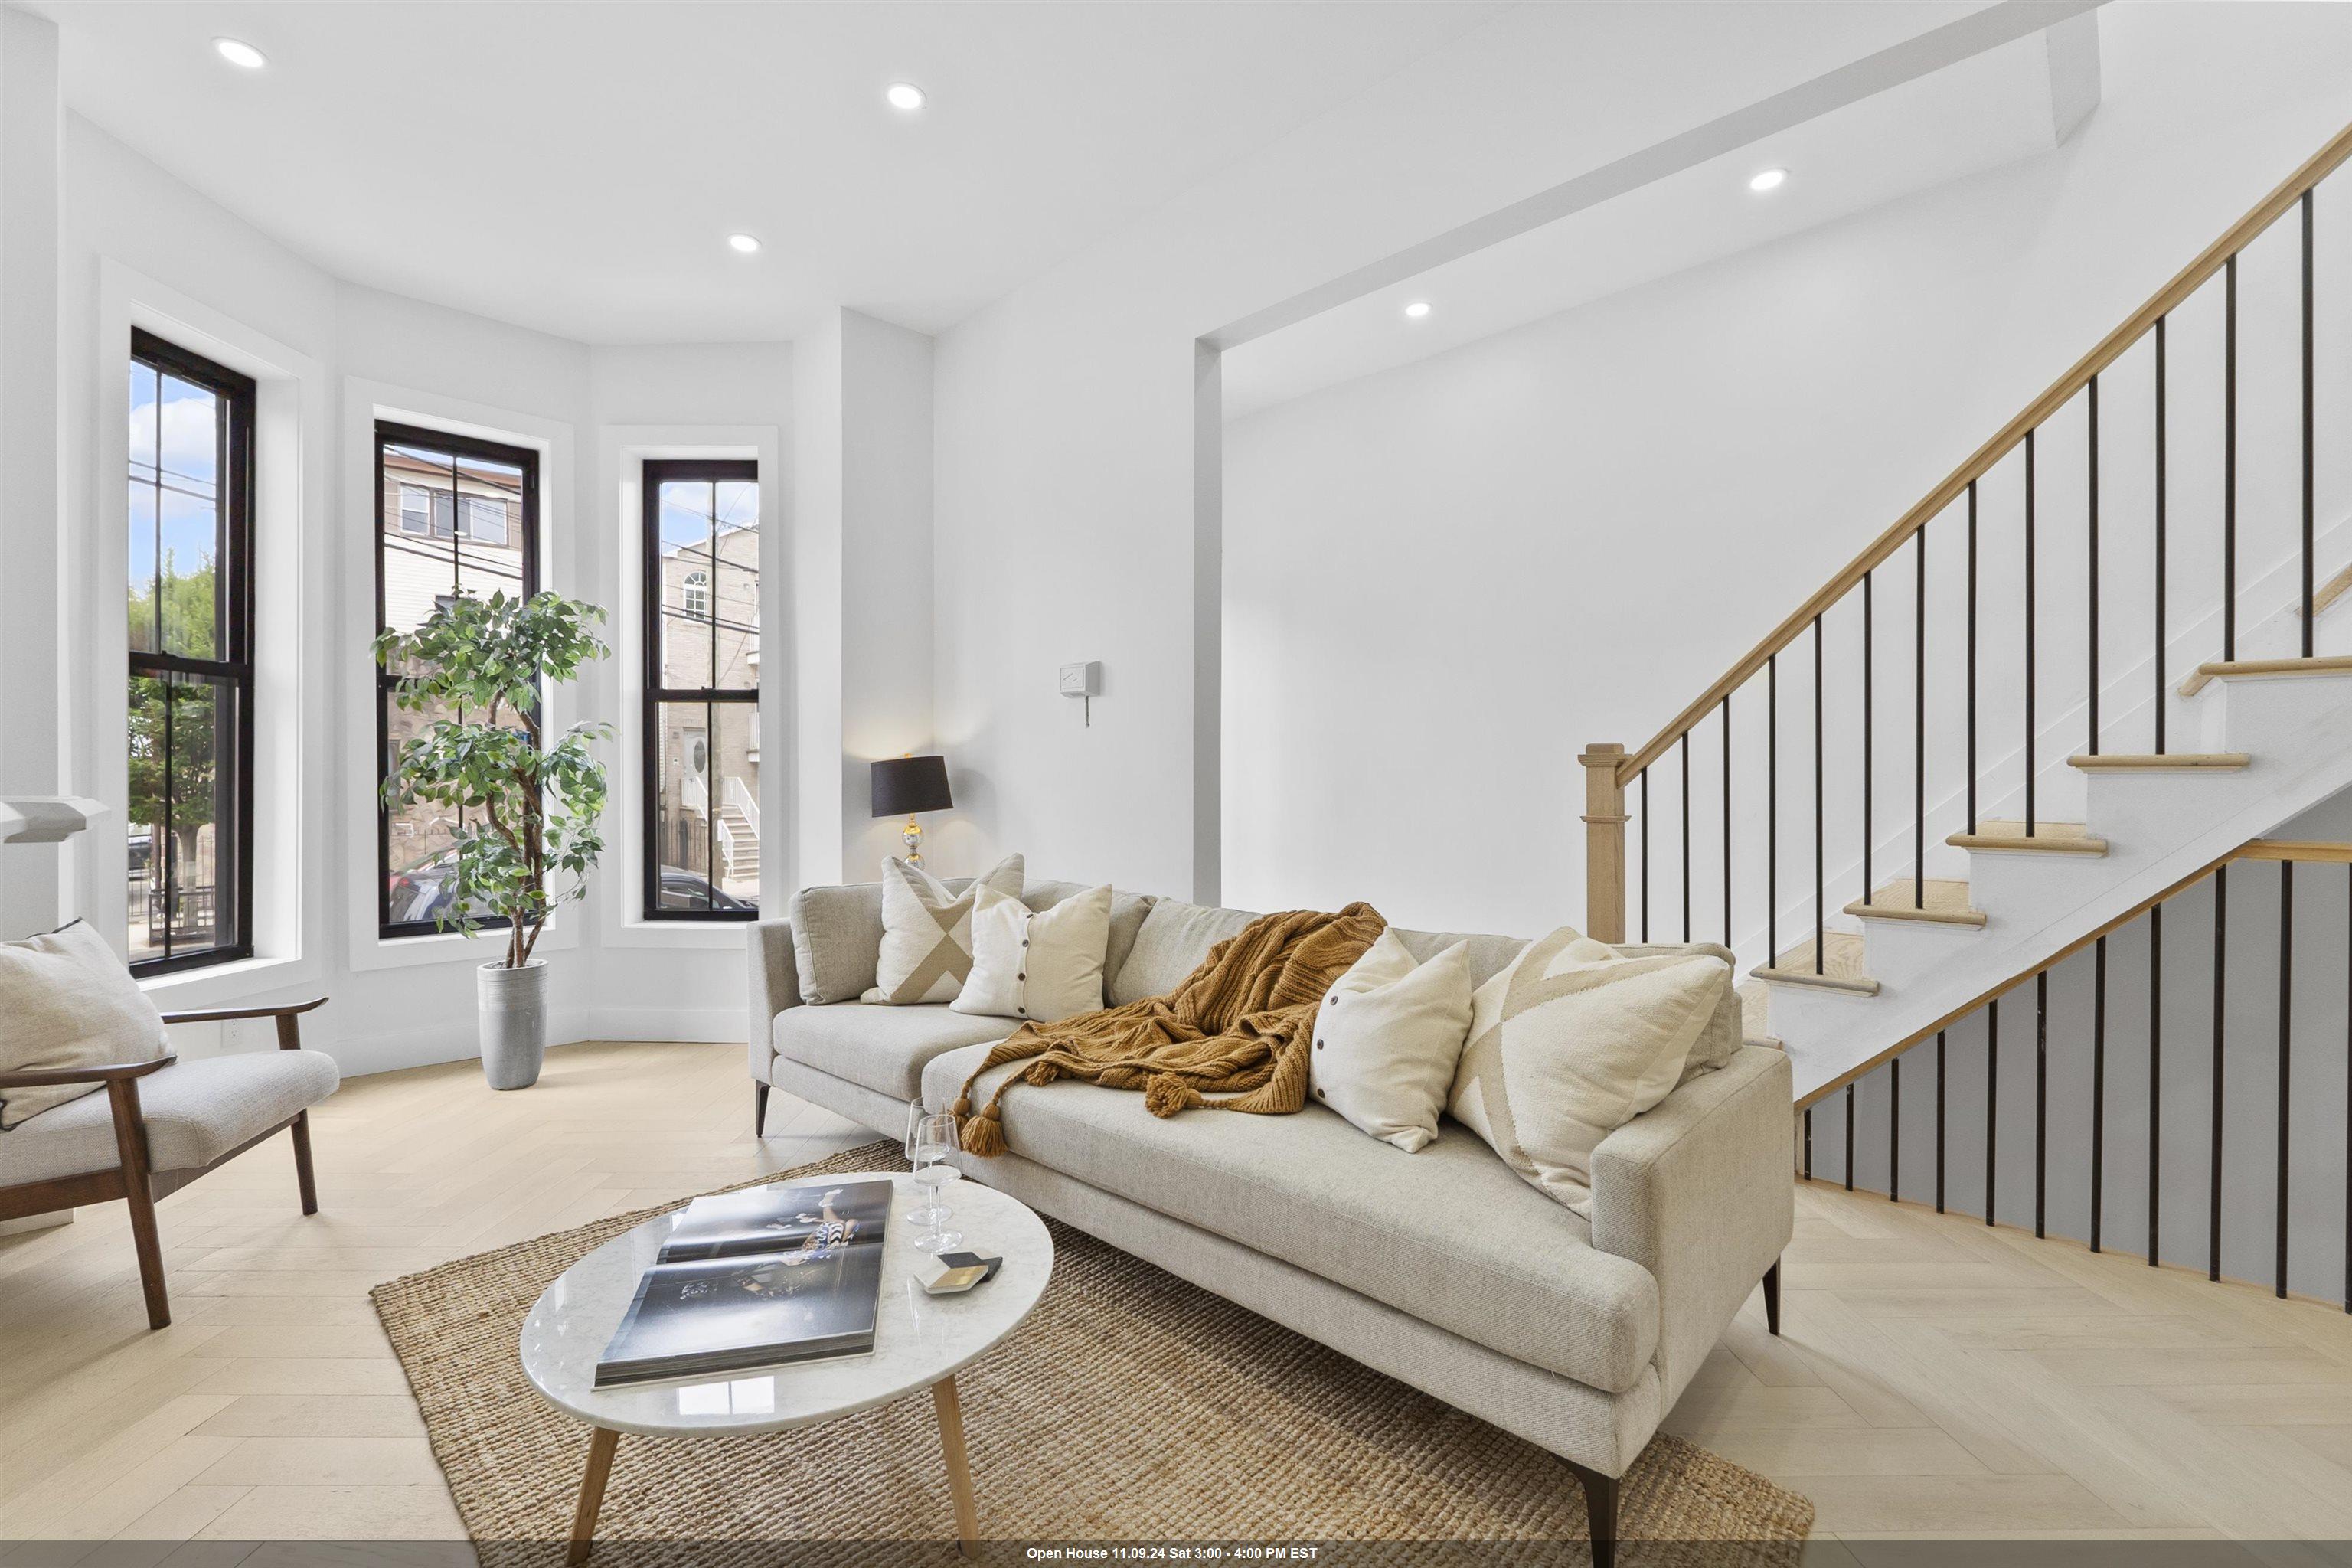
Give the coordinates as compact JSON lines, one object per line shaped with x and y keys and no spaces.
{"x":622,"y":452}
{"x":290,"y":579}
{"x":365,"y":402}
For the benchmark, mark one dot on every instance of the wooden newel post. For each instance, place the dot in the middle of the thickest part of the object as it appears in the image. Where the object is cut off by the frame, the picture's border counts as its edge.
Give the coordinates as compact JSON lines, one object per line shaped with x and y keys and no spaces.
{"x":1605,"y":844}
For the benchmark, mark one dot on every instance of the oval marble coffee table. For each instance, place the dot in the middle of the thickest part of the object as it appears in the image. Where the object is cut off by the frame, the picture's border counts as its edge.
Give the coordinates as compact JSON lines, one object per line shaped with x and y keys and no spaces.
{"x":920,"y":1341}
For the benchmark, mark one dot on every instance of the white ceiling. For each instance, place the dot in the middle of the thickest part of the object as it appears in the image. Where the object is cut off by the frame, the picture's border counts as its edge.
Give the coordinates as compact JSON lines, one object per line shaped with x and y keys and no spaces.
{"x":576,"y":167}
{"x":1989,"y":109}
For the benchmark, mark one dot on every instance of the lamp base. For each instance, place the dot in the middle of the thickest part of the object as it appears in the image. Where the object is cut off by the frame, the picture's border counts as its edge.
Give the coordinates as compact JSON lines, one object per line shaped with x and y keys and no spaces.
{"x":912,"y":836}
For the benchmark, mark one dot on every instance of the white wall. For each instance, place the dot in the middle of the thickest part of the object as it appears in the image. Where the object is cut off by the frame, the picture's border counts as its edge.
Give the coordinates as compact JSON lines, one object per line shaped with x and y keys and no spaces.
{"x":1065,"y":459}
{"x":31,"y":159}
{"x":140,"y":246}
{"x":861,"y":590}
{"x":1444,"y":580}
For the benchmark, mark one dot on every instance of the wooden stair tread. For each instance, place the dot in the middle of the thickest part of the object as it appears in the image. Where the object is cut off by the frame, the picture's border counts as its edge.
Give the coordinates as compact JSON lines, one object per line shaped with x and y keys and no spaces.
{"x":2161,"y":762}
{"x":1944,"y":904}
{"x":2243,"y":669}
{"x":2048,"y":838}
{"x":1841,"y":966}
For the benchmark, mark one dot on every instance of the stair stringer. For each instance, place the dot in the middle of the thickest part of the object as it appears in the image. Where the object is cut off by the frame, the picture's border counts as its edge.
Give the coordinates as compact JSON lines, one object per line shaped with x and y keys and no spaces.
{"x":2161,"y":828}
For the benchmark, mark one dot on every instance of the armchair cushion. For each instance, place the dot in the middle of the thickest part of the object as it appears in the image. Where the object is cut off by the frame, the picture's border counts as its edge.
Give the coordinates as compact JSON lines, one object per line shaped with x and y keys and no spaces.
{"x":195,"y":1112}
{"x":69,"y":1003}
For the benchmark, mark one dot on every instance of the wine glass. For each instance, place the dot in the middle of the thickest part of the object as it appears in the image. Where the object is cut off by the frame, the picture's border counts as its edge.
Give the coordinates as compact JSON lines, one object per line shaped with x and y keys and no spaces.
{"x":923,"y":1213}
{"x":935,"y":1140}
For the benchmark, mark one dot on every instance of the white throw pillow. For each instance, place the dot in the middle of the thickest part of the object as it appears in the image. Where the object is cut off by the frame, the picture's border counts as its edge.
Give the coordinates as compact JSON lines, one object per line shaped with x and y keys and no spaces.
{"x":1569,"y":1043}
{"x":927,"y":931}
{"x":67,"y":1001}
{"x":1037,"y":965}
{"x":1387,"y":1038}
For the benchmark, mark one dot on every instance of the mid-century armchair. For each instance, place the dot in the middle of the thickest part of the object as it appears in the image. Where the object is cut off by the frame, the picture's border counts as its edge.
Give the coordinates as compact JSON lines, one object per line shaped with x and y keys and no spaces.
{"x":159,"y":1126}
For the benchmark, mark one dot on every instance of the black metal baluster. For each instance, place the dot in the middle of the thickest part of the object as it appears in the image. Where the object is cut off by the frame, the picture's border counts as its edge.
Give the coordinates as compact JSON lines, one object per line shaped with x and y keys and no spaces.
{"x":1820,"y":913}
{"x":1727,"y":819}
{"x":2041,"y":1100}
{"x":1685,"y":773}
{"x":2029,"y":632}
{"x":2092,"y":630}
{"x":1992,"y":1097}
{"x":1939,"y":1136}
{"x":1645,"y":854}
{"x":1972,"y":657}
{"x":1772,"y":810}
{"x":1895,"y":1130}
{"x":2286,"y":1016}
{"x":2163,"y":697}
{"x":1849,"y":1136}
{"x":1867,"y":703}
{"x":2221,"y":982}
{"x":1919,"y":723}
{"x":2099,"y":1084}
{"x":1809,"y":1142}
{"x":2306,"y":467}
{"x":2230,"y":460}
{"x":2155,"y":1070}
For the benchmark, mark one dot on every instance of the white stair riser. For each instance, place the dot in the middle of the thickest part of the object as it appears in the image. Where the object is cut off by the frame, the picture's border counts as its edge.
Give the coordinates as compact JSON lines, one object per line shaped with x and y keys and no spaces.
{"x":1898,"y":952}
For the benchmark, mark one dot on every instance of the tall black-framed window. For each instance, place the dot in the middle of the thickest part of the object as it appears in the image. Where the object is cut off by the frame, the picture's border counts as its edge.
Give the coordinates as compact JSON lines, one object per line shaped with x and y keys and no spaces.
{"x":190,"y":595}
{"x":452,"y":515}
{"x":701,"y":733}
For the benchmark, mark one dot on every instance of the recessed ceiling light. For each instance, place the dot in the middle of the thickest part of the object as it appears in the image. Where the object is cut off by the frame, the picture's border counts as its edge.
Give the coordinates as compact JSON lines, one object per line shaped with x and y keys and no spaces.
{"x":743,"y":243}
{"x":1417,"y":310}
{"x":1769,"y":180}
{"x":905,"y":95}
{"x":238,"y":52}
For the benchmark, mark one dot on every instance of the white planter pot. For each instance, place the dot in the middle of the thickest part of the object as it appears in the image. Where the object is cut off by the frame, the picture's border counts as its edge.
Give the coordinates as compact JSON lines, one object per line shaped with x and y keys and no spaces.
{"x":514,"y":1022}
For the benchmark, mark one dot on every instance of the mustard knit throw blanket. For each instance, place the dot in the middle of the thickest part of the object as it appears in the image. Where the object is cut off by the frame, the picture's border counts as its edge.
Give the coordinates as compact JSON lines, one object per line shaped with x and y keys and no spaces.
{"x":1237,"y":1025}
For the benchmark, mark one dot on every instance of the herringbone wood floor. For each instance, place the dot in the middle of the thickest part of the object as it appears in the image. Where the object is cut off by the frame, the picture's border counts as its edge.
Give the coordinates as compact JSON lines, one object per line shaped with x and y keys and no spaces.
{"x":1934,"y":1377}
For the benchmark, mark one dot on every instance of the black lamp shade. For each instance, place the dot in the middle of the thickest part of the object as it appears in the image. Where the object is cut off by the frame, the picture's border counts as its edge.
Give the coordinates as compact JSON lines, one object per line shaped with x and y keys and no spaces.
{"x":904,"y":786}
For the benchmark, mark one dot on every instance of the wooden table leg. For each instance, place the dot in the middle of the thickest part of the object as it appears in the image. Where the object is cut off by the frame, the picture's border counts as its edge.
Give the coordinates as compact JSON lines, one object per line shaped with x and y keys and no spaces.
{"x":966,"y":1514}
{"x":602,"y":1442}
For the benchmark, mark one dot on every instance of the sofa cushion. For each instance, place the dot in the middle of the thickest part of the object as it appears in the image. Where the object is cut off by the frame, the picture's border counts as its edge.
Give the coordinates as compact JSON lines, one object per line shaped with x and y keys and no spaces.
{"x":195,"y":1112}
{"x":1488,"y":955}
{"x":878,"y":1047}
{"x":1450,"y":1235}
{"x":1170,"y":944}
{"x":836,"y":937}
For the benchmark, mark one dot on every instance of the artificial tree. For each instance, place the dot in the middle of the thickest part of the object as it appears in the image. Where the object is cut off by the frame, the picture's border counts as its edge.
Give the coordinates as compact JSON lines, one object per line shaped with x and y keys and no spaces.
{"x":527,"y":805}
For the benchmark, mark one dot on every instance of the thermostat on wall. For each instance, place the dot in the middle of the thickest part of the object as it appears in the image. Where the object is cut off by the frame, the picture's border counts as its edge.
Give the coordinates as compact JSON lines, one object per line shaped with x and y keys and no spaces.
{"x":1083,"y":680}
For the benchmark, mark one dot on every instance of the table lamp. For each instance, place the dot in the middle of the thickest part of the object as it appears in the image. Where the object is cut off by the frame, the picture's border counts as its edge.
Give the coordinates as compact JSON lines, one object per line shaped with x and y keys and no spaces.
{"x":905,"y":785}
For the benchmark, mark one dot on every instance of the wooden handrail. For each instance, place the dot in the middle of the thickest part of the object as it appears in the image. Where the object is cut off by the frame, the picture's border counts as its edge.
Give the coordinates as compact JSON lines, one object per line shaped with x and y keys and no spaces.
{"x":2294,"y":849}
{"x":2267,"y":211}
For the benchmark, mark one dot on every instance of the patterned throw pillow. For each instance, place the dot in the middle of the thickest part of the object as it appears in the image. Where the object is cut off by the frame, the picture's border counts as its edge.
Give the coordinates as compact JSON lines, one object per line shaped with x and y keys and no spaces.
{"x":1572,"y":1041}
{"x":927,"y":931}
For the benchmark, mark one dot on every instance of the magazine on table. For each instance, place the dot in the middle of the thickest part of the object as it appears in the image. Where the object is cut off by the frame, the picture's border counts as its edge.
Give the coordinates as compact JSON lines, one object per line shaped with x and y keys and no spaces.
{"x":759,"y":1278}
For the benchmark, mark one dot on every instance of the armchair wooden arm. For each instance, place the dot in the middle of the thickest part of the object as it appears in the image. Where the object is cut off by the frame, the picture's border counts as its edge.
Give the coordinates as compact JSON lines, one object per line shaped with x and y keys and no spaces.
{"x":221,"y":1015}
{"x":112,"y":1072}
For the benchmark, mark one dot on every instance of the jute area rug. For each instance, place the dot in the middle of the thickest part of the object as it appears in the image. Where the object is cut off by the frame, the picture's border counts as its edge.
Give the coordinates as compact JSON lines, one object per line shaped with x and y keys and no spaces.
{"x":1132,"y":1407}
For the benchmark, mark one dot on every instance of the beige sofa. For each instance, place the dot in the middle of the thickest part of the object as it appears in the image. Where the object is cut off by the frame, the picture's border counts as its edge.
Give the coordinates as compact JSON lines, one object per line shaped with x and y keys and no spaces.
{"x":1441,"y":1268}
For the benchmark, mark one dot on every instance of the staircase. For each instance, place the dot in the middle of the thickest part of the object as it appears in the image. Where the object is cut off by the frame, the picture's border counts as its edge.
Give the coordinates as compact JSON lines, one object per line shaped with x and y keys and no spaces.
{"x":2100,"y":658}
{"x":735,"y":831}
